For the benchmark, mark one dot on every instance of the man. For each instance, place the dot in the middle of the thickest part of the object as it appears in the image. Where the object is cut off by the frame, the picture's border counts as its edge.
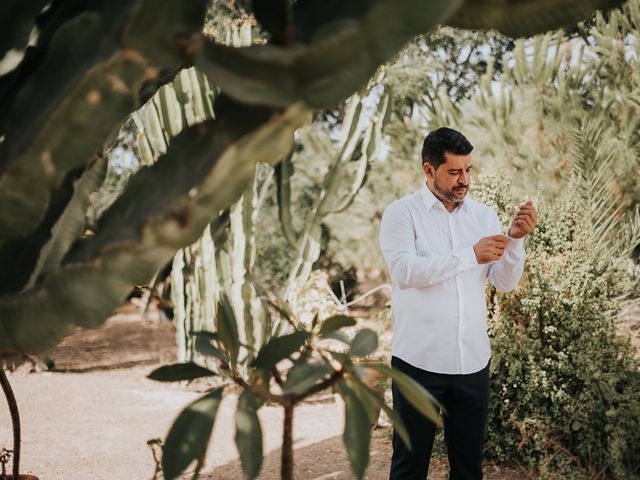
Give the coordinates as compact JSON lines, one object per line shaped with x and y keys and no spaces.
{"x":440,"y":247}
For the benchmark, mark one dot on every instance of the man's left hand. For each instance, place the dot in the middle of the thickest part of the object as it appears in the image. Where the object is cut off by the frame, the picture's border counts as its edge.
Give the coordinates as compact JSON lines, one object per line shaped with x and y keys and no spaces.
{"x":524,"y":221}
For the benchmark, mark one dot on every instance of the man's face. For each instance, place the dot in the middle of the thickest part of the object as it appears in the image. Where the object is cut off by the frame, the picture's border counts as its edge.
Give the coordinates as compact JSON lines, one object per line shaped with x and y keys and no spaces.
{"x":450,"y":182}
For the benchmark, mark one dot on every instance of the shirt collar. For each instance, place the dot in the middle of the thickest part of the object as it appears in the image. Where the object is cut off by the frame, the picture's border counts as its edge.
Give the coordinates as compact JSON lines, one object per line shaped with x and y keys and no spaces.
{"x":430,"y":200}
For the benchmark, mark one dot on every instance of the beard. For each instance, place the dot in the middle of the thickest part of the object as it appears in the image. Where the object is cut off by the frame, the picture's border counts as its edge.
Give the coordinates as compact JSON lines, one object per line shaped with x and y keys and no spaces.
{"x":452,"y":195}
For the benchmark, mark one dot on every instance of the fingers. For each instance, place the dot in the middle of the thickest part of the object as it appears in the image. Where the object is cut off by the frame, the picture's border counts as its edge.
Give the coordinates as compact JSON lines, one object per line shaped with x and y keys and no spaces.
{"x":534,"y":215}
{"x":496,"y":245}
{"x":523,"y":217}
{"x":528,"y":207}
{"x":498,"y":239}
{"x":528,"y":210}
{"x":490,"y":249}
{"x":496,"y":255}
{"x":526,"y":218}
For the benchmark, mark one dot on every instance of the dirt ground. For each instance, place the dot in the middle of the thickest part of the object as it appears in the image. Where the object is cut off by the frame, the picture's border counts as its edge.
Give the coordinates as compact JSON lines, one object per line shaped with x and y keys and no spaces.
{"x":91,"y":417}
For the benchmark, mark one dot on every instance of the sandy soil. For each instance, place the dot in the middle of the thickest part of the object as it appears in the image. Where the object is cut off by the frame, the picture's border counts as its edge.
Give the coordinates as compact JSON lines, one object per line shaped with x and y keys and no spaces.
{"x":92,"y":416}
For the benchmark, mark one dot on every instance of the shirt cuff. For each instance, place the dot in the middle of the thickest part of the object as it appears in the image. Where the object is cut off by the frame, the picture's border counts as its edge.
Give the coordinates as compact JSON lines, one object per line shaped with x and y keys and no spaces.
{"x":467,"y":257}
{"x":515,"y":245}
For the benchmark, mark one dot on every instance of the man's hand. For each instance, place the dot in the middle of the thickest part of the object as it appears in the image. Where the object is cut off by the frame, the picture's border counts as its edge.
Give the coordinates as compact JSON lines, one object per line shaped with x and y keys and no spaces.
{"x":490,"y":249}
{"x":524,"y":221}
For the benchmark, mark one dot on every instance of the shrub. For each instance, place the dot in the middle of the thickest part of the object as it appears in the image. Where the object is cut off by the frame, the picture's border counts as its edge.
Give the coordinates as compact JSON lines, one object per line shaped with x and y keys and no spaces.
{"x":565,"y":388}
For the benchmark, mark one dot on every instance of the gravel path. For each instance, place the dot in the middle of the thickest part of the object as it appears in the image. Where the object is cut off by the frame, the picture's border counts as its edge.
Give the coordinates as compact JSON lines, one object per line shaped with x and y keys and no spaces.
{"x":96,"y":425}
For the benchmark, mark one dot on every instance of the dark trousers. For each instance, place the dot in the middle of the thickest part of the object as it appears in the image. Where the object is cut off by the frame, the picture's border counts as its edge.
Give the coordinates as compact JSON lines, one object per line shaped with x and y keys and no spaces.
{"x":465,"y":399}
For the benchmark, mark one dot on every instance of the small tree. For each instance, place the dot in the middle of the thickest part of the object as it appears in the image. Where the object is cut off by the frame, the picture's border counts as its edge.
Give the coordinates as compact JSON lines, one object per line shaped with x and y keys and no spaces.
{"x":288,"y":369}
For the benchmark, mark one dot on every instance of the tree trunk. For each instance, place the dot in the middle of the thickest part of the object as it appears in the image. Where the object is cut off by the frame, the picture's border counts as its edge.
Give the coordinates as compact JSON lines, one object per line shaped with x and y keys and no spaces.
{"x":286,"y":470}
{"x":15,"y":420}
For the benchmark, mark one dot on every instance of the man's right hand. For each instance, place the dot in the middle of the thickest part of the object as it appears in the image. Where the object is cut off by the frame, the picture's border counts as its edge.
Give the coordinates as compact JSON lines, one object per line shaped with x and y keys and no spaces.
{"x":490,"y":249}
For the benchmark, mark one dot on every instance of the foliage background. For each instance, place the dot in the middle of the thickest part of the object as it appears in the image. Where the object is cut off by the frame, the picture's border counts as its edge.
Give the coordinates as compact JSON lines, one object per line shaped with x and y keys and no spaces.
{"x":565,"y":396}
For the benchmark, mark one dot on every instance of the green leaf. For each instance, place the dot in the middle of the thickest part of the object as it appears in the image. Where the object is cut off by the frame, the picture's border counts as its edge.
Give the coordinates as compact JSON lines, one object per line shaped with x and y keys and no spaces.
{"x":180,"y":371}
{"x":205,"y":346}
{"x":336,"y":322}
{"x":189,"y":436}
{"x":249,"y":434}
{"x":304,"y":376}
{"x":278,"y":349}
{"x":422,"y":400}
{"x":315,"y":321}
{"x":343,"y":358}
{"x":373,"y":409}
{"x":378,"y":398}
{"x":357,"y":429}
{"x":364,"y":343}
{"x":228,"y":328}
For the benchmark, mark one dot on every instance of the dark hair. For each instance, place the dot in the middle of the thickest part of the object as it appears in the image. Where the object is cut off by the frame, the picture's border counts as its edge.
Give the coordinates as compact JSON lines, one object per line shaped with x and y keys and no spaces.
{"x":443,"y":140}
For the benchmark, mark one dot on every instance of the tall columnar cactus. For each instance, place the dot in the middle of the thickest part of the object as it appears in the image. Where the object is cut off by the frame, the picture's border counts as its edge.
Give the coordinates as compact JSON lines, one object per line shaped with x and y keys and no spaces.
{"x":233,"y":254}
{"x":221,"y":261}
{"x":361,"y":136}
{"x":185,"y":102}
{"x":63,"y":99}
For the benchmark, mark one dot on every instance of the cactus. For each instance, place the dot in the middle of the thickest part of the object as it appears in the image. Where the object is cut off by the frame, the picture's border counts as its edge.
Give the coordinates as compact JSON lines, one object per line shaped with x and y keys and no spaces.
{"x":186,"y":101}
{"x":361,"y":138}
{"x":71,"y":105}
{"x":205,"y":270}
{"x":284,"y":171}
{"x":16,"y":35}
{"x":235,"y":250}
{"x":523,"y":19}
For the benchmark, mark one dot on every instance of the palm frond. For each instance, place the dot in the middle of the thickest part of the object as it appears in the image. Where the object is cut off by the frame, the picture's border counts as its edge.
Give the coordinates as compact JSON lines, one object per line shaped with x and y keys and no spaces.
{"x":594,"y":154}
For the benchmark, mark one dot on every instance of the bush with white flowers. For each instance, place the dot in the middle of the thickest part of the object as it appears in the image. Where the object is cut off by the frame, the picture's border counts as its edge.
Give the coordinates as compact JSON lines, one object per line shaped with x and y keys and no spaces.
{"x":565,"y":387}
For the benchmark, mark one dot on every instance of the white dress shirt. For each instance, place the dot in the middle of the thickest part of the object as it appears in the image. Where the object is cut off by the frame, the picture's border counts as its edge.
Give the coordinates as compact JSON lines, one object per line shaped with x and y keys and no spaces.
{"x":438,"y":303}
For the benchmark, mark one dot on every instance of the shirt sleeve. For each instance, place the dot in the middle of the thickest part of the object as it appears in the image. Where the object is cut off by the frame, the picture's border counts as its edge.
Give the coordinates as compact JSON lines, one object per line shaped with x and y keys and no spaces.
{"x":505,"y":273}
{"x":406,"y":267}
